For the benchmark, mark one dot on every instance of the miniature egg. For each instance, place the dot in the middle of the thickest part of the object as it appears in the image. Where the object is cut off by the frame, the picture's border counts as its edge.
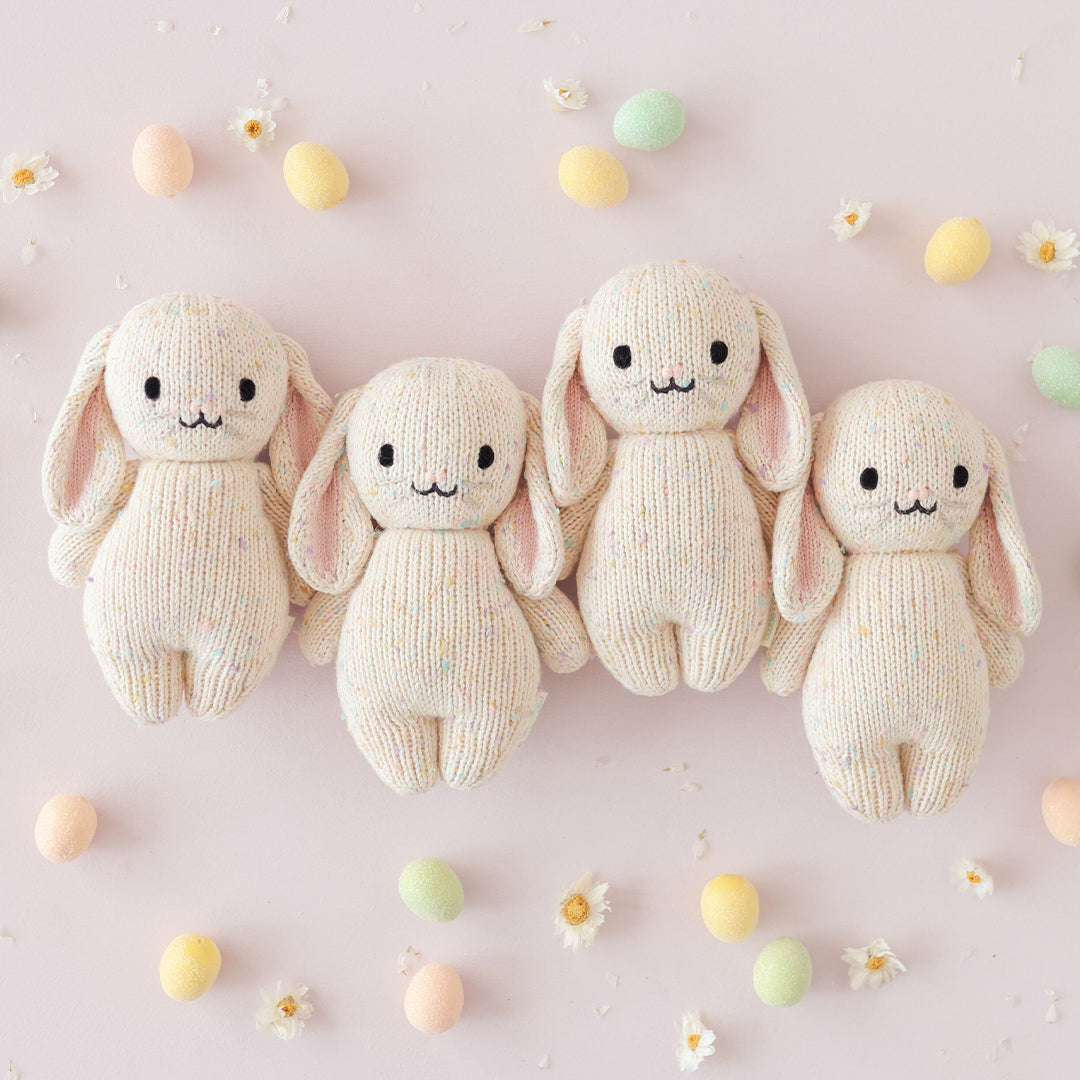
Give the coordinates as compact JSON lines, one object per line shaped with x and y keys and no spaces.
{"x":1061,"y":810}
{"x":65,"y":827}
{"x":650,"y":120}
{"x":729,"y":906}
{"x":593,"y":177}
{"x":431,"y":890}
{"x":161,"y":160}
{"x":189,"y":967}
{"x":434,"y":999}
{"x":315,"y":176}
{"x":957,"y":250}
{"x":1056,"y":371}
{"x":782,"y":972}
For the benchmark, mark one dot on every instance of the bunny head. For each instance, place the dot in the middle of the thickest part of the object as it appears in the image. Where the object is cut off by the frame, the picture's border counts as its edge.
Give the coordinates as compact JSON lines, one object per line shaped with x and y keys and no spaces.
{"x":901,"y":467}
{"x":183,"y":377}
{"x":672,"y":347}
{"x":429,"y":444}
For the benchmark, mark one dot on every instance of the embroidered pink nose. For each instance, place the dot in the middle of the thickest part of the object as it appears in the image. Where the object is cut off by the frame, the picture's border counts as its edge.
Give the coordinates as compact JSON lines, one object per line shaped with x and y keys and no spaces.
{"x":924,"y":495}
{"x":671,"y":371}
{"x":436,"y":478}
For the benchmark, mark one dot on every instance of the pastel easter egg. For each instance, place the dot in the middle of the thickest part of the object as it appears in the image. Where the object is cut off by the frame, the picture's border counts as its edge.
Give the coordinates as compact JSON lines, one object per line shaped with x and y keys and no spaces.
{"x":161,"y":160}
{"x":431,"y":890}
{"x":650,"y":120}
{"x":189,"y":967}
{"x":315,"y":176}
{"x":782,"y":972}
{"x":729,"y":906}
{"x":957,"y":250}
{"x":1061,"y":810}
{"x":434,"y":999}
{"x":1056,"y":371}
{"x":593,"y":177}
{"x":65,"y":826}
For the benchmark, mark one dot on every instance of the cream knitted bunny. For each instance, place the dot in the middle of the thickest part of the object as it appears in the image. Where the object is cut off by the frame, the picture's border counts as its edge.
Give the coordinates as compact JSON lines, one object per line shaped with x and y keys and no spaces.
{"x":902,"y":635}
{"x":182,"y":551}
{"x":438,"y":673}
{"x":673,"y":568}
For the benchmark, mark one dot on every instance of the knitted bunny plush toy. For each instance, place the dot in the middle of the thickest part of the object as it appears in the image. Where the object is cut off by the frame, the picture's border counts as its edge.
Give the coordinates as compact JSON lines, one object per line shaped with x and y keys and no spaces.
{"x":438,"y":672}
{"x":182,"y":551}
{"x":673,"y":570}
{"x":898,"y":635}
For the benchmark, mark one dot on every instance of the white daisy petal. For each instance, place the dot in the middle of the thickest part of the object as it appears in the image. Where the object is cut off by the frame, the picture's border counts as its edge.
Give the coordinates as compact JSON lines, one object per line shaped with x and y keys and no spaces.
{"x":970,"y":876}
{"x":695,"y":1042}
{"x":850,"y":219}
{"x":567,"y":94}
{"x":26,"y":174}
{"x":1048,"y":248}
{"x":284,"y":1012}
{"x":581,"y":912}
{"x":872,"y":966}
{"x":253,"y":127}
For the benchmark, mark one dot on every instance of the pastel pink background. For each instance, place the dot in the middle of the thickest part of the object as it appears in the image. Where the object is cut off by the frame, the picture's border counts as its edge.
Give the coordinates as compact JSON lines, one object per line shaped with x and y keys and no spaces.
{"x":267,"y":831}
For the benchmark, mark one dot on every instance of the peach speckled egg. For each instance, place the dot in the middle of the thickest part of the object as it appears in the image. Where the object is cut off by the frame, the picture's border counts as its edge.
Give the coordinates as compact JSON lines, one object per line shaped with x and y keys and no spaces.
{"x":1061,"y":810}
{"x":434,"y":999}
{"x":729,"y":906}
{"x":189,"y":967}
{"x":65,"y":827}
{"x":161,"y":160}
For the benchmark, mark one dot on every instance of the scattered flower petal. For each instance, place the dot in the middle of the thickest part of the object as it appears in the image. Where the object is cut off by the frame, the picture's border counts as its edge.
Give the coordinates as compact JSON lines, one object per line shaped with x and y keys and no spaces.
{"x":695,"y":1042}
{"x":253,"y":127}
{"x":405,"y":959}
{"x":602,"y":1010}
{"x":34,"y":418}
{"x":262,"y":87}
{"x":1016,"y":440}
{"x":700,"y":845}
{"x":284,"y":1013}
{"x":612,"y":978}
{"x":690,"y":787}
{"x":1012,"y":999}
{"x":279,"y":104}
{"x":1002,"y":1044}
{"x":163,"y":26}
{"x":579,"y":37}
{"x":1018,"y":67}
{"x":850,"y":219}
{"x":29,"y":251}
{"x":26,"y":174}
{"x":1048,"y":248}
{"x":214,"y":31}
{"x":680,"y":767}
{"x":968,"y":875}
{"x":1052,"y":1013}
{"x":418,"y":8}
{"x":968,"y":953}
{"x":11,"y":1070}
{"x":581,"y":912}
{"x":284,"y":15}
{"x":532,"y":25}
{"x":454,"y":27}
{"x":6,"y":939}
{"x":121,"y":284}
{"x":873,"y":966}
{"x":544,"y":1062}
{"x":425,"y":85}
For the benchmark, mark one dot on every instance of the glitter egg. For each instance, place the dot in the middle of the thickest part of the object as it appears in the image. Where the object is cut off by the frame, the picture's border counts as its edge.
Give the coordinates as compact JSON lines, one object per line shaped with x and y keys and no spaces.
{"x":593,"y":177}
{"x":434,"y":999}
{"x":65,"y":827}
{"x":650,"y":120}
{"x":1056,"y":371}
{"x":729,"y":906}
{"x":161,"y":160}
{"x":1061,"y":810}
{"x":315,"y":176}
{"x":782,"y":972}
{"x":431,"y":890}
{"x":189,"y":967}
{"x":957,"y":251}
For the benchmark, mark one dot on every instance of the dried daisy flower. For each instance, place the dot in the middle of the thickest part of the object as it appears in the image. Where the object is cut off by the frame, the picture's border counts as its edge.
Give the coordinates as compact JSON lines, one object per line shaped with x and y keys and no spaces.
{"x":968,"y":875}
{"x":284,"y":1013}
{"x":695,"y":1042}
{"x":850,"y":219}
{"x":581,"y":911}
{"x":873,"y":966}
{"x":26,"y":174}
{"x":1048,"y":248}
{"x":253,"y":127}
{"x":567,"y":94}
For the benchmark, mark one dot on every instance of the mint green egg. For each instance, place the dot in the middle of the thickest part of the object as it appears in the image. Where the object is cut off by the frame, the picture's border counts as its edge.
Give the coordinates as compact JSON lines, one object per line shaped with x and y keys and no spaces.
{"x":782,"y":972}
{"x":650,"y":120}
{"x":1056,"y":372}
{"x":431,"y":890}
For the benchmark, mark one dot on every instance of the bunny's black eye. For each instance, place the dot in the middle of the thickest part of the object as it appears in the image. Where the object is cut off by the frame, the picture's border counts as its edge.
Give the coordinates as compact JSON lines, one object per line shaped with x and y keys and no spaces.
{"x":486,"y":456}
{"x":247,"y":389}
{"x":718,"y":352}
{"x":386,"y":455}
{"x":868,"y":478}
{"x":152,"y":387}
{"x":621,"y":356}
{"x":959,"y":477}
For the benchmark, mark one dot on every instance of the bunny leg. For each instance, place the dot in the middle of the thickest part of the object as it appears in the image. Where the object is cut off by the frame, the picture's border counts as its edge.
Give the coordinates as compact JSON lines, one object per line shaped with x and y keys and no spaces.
{"x":474,"y":746}
{"x":866,"y":780}
{"x":401,"y":746}
{"x":557,"y":630}
{"x":643,"y":659}
{"x":712,"y":656}
{"x":149,"y":688}
{"x":935,"y":776}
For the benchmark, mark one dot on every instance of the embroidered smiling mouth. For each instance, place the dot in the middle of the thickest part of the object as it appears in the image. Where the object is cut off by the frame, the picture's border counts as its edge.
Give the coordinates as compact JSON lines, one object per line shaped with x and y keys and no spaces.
{"x":202,"y":420}
{"x":435,"y":490}
{"x":915,"y":506}
{"x":673,"y":385}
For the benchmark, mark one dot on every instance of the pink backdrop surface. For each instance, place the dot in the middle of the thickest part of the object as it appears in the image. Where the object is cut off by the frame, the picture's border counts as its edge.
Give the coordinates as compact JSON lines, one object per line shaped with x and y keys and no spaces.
{"x":267,"y":831}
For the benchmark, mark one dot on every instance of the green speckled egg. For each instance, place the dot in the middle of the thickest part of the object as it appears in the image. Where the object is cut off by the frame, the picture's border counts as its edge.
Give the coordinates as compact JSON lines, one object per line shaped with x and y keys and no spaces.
{"x":650,"y":120}
{"x":431,"y":890}
{"x":782,"y":972}
{"x":1056,"y":372}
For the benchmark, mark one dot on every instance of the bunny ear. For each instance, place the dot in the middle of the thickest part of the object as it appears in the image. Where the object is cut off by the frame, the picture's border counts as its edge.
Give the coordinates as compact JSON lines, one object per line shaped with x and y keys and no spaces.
{"x":307,"y":408}
{"x":574,"y":436}
{"x":84,"y":461}
{"x":528,"y":539}
{"x":330,"y":530}
{"x":774,"y":430}
{"x":807,"y":561}
{"x":1002,"y":573}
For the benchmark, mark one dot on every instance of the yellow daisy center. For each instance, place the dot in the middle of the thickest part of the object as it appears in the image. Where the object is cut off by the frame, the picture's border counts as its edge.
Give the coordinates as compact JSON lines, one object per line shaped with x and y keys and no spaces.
{"x":1047,"y":251}
{"x":851,"y":218}
{"x":253,"y":128}
{"x":575,"y":910}
{"x":973,"y":877}
{"x":693,"y":1040}
{"x":22,"y":178}
{"x":287,"y":1006}
{"x":875,"y":963}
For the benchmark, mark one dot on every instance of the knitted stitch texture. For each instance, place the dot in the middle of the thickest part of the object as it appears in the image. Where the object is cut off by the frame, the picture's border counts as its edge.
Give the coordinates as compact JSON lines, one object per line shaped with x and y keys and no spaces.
{"x":437,"y":669}
{"x":673,"y":572}
{"x":183,"y":550}
{"x":898,"y":636}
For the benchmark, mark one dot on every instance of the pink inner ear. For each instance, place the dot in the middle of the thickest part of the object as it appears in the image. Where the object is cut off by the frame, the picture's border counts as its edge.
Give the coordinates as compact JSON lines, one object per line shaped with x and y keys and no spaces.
{"x":770,"y":417}
{"x":1001,"y":570}
{"x":325,"y":528}
{"x":575,"y":416}
{"x":523,"y":532}
{"x":809,"y":553}
{"x":300,"y":427}
{"x":78,"y":481}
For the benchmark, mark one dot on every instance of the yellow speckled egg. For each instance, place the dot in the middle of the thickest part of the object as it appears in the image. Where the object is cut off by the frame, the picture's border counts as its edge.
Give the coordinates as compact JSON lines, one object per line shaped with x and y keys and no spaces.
{"x":315,"y":176}
{"x":434,"y":999}
{"x":957,"y":250}
{"x":593,"y":177}
{"x":65,"y":827}
{"x":729,"y":906}
{"x":161,"y":160}
{"x":1061,"y":810}
{"x":189,"y":967}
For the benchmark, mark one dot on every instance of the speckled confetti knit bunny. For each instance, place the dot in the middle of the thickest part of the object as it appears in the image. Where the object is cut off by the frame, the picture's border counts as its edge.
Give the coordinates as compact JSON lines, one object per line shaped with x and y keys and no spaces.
{"x":183,"y":551}
{"x":899,"y":637}
{"x":673,"y":573}
{"x":438,"y":670}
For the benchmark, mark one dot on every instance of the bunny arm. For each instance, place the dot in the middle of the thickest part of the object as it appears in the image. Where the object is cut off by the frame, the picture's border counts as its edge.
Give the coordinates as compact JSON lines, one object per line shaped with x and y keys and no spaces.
{"x":72,"y":548}
{"x":576,"y":518}
{"x":557,"y":629}
{"x":787,"y":657}
{"x":277,"y":509}
{"x":1003,"y":649}
{"x":765,"y":501}
{"x":320,"y":631}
